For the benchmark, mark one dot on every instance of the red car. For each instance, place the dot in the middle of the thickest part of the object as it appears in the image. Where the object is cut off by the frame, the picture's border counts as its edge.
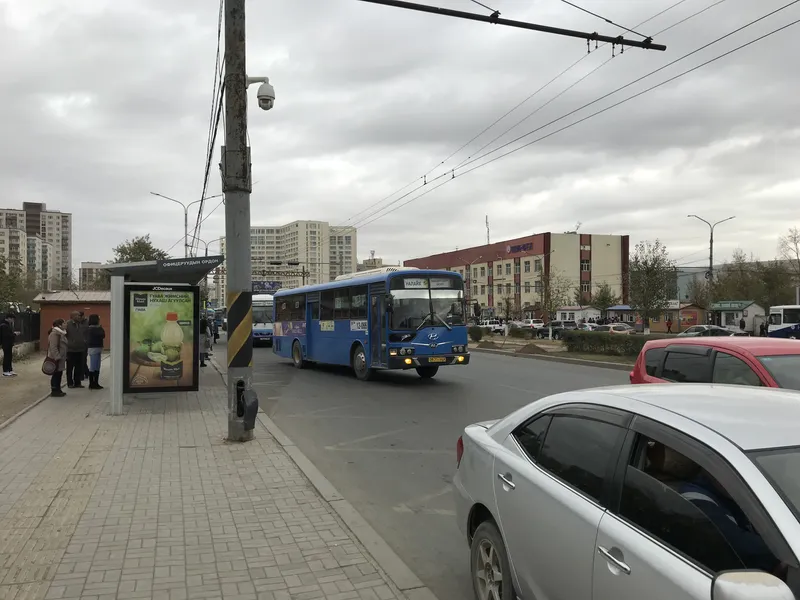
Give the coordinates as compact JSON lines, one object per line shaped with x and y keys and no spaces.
{"x":758,"y":361}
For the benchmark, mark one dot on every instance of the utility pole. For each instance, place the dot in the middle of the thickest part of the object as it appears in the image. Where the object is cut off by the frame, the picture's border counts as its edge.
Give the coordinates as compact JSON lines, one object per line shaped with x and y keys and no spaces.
{"x":710,"y":275}
{"x":236,"y":185}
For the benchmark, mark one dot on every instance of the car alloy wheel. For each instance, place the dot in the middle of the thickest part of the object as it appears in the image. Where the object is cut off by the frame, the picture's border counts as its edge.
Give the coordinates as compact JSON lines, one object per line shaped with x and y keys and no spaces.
{"x":491,"y":572}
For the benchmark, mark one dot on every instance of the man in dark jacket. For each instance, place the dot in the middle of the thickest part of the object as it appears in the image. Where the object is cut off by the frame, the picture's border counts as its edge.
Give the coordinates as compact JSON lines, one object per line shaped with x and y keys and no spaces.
{"x":76,"y":349}
{"x":7,"y":337}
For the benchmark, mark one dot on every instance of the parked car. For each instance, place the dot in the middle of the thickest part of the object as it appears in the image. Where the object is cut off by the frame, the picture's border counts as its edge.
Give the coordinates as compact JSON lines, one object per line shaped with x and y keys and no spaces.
{"x":615,"y":328}
{"x":494,"y":326}
{"x":532,"y":324}
{"x":588,"y":326}
{"x":623,"y":493}
{"x":754,"y":361}
{"x":558,"y":327}
{"x":710,"y":330}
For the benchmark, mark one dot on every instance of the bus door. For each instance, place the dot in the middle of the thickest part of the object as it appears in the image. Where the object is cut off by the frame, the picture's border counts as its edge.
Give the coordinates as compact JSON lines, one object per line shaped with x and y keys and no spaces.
{"x":377,"y":328}
{"x":312,"y":326}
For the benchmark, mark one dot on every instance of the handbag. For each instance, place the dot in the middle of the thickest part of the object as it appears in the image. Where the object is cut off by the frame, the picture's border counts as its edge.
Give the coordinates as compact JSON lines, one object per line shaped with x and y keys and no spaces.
{"x":49,"y":366}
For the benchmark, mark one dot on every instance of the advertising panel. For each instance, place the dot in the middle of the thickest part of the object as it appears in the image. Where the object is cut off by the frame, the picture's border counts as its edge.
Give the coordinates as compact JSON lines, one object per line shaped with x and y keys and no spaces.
{"x":161,"y":338}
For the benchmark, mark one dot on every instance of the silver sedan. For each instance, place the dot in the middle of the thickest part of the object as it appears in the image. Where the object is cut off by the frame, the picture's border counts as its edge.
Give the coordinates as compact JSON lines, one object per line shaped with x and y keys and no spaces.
{"x":662,"y":492}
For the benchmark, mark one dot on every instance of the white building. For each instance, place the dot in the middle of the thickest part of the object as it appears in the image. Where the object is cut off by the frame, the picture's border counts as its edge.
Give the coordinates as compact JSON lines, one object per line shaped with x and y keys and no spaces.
{"x":281,"y":254}
{"x":14,"y":249}
{"x":52,"y":226}
{"x":88,"y":274}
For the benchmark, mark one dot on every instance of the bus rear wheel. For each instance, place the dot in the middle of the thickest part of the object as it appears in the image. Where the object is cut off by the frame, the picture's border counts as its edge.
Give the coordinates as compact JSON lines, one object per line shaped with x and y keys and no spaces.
{"x":297,"y":355}
{"x":427,"y":372}
{"x":359,"y":363}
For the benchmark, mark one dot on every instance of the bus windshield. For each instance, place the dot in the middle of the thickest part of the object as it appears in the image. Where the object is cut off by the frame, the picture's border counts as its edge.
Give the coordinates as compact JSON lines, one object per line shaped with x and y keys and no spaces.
{"x":262,"y":314}
{"x":423,"y":301}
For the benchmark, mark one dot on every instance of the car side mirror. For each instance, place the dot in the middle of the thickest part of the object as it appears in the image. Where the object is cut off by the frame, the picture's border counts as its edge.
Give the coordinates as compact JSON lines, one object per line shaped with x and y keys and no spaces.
{"x":749,"y":585}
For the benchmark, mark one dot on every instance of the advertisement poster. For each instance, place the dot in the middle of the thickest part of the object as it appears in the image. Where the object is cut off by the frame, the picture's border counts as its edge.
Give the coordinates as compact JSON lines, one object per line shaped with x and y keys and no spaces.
{"x":161,"y":333}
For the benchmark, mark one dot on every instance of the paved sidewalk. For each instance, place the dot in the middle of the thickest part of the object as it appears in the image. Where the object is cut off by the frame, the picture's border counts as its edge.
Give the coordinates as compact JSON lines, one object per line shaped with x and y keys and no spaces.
{"x":155,"y":504}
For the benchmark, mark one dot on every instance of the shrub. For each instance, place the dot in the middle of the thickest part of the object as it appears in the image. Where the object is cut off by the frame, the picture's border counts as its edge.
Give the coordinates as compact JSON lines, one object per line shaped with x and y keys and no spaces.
{"x":517,"y":332}
{"x":475,"y":333}
{"x":594,"y":342}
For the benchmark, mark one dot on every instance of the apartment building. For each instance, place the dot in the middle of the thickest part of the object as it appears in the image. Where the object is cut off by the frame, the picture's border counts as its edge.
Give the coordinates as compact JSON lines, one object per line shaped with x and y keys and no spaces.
{"x":517,"y":268}
{"x":314,"y":247}
{"x":88,"y":274}
{"x":53,"y":227}
{"x":14,"y":249}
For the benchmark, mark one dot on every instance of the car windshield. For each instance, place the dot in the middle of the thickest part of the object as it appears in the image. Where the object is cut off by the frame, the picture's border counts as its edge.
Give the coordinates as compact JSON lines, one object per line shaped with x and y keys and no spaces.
{"x":423,"y":301}
{"x":262,"y":314}
{"x":784,"y":368}
{"x":781,"y":466}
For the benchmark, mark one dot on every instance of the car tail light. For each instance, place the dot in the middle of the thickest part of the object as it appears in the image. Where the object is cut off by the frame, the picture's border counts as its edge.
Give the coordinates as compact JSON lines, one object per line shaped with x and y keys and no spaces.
{"x":459,"y":451}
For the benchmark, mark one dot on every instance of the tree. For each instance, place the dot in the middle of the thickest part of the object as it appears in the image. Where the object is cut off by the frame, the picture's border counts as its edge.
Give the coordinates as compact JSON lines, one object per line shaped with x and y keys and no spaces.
{"x":697,"y":291}
{"x":12,"y":283}
{"x":653,"y":280}
{"x":604,"y":298}
{"x":138,"y":249}
{"x":555,"y":293}
{"x":789,"y":251}
{"x":745,"y":278}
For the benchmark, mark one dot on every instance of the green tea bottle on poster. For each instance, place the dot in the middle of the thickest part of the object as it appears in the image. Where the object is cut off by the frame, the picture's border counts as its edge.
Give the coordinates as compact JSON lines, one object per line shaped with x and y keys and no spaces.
{"x":172,"y":343}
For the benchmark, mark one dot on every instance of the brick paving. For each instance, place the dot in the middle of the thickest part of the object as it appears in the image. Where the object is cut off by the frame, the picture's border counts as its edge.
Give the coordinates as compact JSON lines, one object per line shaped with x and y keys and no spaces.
{"x":155,"y":504}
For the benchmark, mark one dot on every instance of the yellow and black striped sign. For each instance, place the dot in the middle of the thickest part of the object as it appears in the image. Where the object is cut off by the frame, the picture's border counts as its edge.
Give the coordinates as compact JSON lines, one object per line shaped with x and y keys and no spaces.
{"x":240,"y":329}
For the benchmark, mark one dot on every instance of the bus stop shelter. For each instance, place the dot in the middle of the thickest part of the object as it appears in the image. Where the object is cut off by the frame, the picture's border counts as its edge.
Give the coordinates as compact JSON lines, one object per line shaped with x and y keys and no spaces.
{"x":159,"y":301}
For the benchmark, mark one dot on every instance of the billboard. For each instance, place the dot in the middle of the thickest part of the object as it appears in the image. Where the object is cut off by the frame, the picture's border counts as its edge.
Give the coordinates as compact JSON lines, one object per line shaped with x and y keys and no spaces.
{"x":161,"y":338}
{"x":266,"y":287}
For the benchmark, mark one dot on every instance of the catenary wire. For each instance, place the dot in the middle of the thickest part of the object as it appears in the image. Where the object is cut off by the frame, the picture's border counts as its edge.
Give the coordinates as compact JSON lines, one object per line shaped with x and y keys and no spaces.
{"x":609,"y":21}
{"x":570,"y":125}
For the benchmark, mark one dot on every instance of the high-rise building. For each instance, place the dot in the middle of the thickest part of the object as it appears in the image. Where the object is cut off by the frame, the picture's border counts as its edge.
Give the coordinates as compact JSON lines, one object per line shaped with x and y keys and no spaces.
{"x":88,"y":274}
{"x":14,"y":249}
{"x":53,"y":227}
{"x":315,"y":248}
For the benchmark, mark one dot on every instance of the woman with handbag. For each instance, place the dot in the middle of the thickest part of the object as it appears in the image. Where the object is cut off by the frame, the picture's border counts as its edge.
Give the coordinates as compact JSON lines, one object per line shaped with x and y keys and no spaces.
{"x":56,"y":360}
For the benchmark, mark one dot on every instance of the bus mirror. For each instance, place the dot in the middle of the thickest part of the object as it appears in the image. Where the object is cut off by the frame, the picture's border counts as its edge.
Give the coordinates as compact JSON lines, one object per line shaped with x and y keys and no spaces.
{"x":389,"y":303}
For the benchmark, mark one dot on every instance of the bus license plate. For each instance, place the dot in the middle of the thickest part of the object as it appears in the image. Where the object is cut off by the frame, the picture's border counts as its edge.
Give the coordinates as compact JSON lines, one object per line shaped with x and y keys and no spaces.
{"x":437,"y":359}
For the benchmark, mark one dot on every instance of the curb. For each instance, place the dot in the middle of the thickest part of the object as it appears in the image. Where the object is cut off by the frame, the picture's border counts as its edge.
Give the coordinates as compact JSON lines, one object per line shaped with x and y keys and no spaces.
{"x":396,"y":570}
{"x":575,"y":361}
{"x":36,"y":403}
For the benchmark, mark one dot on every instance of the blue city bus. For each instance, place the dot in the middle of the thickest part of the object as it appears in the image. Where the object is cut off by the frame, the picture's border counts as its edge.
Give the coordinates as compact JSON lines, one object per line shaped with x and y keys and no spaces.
{"x":388,"y":318}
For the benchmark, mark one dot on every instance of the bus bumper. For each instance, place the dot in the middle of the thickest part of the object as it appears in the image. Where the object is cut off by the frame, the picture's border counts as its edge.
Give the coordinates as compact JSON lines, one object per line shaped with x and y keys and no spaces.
{"x":440,"y":360}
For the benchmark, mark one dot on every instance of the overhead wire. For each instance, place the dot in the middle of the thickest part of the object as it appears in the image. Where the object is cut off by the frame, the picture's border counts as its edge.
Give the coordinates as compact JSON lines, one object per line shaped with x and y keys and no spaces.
{"x":623,"y":101}
{"x":609,"y":21}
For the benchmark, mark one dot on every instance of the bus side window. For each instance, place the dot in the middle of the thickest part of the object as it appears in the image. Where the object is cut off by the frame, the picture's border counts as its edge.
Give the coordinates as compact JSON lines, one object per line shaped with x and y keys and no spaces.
{"x":282,"y":310}
{"x":358,"y":302}
{"x":341,"y":303}
{"x":326,"y":305}
{"x":314,"y":310}
{"x":297,"y":308}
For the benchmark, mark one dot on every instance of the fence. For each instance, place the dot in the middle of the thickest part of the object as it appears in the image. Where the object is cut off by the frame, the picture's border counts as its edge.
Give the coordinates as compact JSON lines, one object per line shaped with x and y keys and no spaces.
{"x":27,"y":324}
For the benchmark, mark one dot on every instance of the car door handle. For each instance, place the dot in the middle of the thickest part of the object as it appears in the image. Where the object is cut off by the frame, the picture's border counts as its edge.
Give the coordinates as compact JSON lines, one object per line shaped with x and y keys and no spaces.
{"x":507,"y":480}
{"x":614,"y":560}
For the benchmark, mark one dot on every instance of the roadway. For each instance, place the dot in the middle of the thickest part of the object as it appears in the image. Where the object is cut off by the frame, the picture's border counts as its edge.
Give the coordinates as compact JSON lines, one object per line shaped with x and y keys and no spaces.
{"x":388,"y":445}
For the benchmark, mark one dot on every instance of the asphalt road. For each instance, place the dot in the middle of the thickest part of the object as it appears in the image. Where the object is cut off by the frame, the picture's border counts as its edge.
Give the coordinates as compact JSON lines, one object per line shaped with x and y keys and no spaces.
{"x":388,"y":445}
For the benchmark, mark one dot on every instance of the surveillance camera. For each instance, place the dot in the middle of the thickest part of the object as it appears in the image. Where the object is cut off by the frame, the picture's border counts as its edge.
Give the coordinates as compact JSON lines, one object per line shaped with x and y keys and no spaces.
{"x":266,"y":96}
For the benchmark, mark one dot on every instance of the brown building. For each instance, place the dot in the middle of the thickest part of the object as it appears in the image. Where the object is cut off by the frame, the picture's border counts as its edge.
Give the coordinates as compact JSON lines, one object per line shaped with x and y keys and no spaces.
{"x":59,"y":305}
{"x":515,"y":268}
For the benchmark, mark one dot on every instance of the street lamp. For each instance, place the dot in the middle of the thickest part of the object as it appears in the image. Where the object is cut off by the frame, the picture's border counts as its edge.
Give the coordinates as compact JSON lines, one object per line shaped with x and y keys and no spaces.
{"x":207,"y":244}
{"x":711,"y":227}
{"x":185,"y":217}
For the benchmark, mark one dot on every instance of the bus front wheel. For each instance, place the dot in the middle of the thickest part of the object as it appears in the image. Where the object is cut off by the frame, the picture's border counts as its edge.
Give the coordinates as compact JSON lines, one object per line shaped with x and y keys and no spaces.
{"x":359,"y":363}
{"x":297,"y":355}
{"x":427,"y":372}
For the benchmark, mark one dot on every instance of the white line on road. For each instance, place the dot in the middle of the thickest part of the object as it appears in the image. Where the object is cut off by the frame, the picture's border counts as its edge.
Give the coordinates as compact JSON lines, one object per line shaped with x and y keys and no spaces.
{"x":388,"y":450}
{"x":365,"y":438}
{"x":320,"y":410}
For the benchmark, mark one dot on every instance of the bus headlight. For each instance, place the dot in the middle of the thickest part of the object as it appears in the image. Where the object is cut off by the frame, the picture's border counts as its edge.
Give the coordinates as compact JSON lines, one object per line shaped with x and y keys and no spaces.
{"x":406,"y":351}
{"x":458,"y":348}
{"x":392,"y":351}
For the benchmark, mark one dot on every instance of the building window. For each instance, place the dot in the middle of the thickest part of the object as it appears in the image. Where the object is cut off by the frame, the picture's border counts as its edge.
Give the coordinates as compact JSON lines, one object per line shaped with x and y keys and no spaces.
{"x":537,"y":265}
{"x":500,"y":289}
{"x":586,"y":248}
{"x":499,"y":269}
{"x":586,"y":266}
{"x":508,"y":268}
{"x":516,"y":268}
{"x":527,"y":266}
{"x":516,"y":288}
{"x":474,"y":290}
{"x":586,"y":286}
{"x":483,"y":271}
{"x":527,"y":287}
{"x":483,"y":290}
{"x":475,"y":272}
{"x":537,"y":287}
{"x":508,"y":289}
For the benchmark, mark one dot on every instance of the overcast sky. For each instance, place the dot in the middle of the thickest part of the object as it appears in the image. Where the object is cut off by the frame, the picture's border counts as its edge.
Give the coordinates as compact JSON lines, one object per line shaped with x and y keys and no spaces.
{"x":105,"y":101}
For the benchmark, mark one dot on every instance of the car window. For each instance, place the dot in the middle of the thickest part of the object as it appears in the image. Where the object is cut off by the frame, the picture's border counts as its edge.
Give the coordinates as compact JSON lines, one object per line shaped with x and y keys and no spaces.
{"x":732,"y":370}
{"x":674,"y":500}
{"x":652,"y":360}
{"x":579,"y":452}
{"x":531,"y":435}
{"x":686,"y":368}
{"x":785,"y":369}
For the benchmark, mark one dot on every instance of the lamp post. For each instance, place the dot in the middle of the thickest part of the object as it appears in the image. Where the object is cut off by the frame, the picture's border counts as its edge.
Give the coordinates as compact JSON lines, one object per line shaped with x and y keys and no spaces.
{"x":710,"y":275}
{"x":185,"y":217}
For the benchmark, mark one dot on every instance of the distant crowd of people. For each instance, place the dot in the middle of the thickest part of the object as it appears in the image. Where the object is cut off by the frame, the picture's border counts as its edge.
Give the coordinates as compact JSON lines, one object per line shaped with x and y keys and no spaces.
{"x":76,"y":346}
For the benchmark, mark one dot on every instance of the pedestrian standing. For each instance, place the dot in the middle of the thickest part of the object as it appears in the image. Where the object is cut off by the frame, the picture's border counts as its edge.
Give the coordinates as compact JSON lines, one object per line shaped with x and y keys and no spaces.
{"x":95,"y":335}
{"x":85,"y":324}
{"x":203,"y":341}
{"x":669,"y":325}
{"x":57,"y":351}
{"x":76,"y":347}
{"x":7,"y":337}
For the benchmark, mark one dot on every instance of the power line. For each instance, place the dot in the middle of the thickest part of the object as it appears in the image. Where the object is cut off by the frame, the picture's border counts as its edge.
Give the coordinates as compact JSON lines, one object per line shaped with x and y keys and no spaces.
{"x":609,"y":21}
{"x":625,"y":100}
{"x":494,"y":12}
{"x":529,"y":97}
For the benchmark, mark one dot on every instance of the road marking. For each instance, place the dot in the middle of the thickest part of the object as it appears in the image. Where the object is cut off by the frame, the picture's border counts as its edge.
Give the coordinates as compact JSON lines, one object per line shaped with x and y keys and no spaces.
{"x":365,"y":439}
{"x":320,"y":410}
{"x":414,"y":505}
{"x":389,"y":450}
